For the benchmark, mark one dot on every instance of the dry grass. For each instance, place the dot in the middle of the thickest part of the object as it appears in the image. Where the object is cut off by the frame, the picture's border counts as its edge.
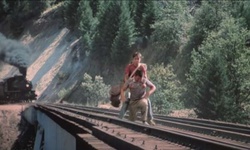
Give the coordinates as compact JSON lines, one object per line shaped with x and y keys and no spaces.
{"x":9,"y":119}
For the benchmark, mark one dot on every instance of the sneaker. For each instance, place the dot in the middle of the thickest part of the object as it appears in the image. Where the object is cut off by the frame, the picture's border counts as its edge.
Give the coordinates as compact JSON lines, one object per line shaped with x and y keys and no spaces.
{"x":151,"y":122}
{"x":145,"y":123}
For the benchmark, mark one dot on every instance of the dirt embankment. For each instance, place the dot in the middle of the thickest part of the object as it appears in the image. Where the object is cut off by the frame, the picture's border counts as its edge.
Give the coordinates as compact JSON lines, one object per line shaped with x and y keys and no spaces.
{"x":10,"y":116}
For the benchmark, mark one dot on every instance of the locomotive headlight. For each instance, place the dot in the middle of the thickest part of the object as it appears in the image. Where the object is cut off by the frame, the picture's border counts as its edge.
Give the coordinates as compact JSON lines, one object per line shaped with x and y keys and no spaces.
{"x":27,"y":85}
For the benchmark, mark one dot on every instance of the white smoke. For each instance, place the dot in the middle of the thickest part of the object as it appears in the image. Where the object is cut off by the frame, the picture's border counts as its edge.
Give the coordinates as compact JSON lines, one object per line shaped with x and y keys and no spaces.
{"x":14,"y":52}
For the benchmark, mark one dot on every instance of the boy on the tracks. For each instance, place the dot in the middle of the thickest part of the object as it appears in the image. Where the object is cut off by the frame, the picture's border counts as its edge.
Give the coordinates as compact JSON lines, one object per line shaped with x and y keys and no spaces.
{"x":139,"y":95}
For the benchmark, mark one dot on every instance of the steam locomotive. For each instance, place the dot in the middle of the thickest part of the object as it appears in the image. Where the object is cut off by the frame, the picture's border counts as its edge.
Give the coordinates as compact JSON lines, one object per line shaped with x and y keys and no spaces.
{"x":16,"y":89}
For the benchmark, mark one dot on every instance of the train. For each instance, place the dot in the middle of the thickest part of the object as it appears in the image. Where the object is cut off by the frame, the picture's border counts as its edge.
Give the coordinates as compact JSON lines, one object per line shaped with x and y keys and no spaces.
{"x":16,"y":89}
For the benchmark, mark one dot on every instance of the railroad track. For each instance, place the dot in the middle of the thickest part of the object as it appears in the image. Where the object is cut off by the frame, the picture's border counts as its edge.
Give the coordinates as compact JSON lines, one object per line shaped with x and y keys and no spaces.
{"x":103,"y":125}
{"x":236,"y":132}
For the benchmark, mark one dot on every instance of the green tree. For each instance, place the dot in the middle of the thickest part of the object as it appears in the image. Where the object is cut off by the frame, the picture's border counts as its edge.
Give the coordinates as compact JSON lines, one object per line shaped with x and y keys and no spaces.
{"x":94,"y":4}
{"x":168,"y":89}
{"x":106,"y":31}
{"x":219,"y":76}
{"x":143,"y":14}
{"x":138,"y":16}
{"x":168,"y":30}
{"x":210,"y":84}
{"x":93,"y":90}
{"x":70,"y":13}
{"x":125,"y":37}
{"x":206,"y":19}
{"x":16,"y":19}
{"x":87,"y":24}
{"x":246,"y":13}
{"x":148,"y":18}
{"x":240,"y":10}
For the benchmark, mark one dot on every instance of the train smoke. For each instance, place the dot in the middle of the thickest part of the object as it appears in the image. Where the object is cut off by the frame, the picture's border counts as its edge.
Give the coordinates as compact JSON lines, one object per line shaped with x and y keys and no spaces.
{"x":14,"y":53}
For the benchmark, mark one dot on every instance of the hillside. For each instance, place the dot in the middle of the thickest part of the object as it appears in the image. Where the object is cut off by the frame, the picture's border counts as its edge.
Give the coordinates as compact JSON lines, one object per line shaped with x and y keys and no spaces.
{"x":194,"y":51}
{"x":51,"y":54}
{"x":54,"y":57}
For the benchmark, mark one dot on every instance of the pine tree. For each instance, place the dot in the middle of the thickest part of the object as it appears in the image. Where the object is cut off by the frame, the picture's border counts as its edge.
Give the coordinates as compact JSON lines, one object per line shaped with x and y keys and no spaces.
{"x":168,"y":30}
{"x":106,"y":30}
{"x":206,"y":19}
{"x":138,"y":16}
{"x":94,"y":6}
{"x":121,"y":49}
{"x":143,"y":13}
{"x":148,"y":18}
{"x":219,"y":76}
{"x":87,"y":24}
{"x":70,"y":13}
{"x":240,"y":10}
{"x":210,"y":92}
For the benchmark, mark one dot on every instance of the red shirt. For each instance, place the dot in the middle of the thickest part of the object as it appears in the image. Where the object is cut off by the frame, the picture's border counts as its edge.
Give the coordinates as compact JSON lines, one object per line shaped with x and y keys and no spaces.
{"x":131,"y":67}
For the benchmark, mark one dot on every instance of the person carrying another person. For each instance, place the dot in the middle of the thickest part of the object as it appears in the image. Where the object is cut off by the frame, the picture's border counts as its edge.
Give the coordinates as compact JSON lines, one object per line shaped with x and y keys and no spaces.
{"x":130,"y":68}
{"x":139,"y":95}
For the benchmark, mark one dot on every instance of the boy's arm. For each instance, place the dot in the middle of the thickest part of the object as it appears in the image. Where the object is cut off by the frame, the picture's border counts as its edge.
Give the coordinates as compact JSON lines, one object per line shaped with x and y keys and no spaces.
{"x":151,"y":90}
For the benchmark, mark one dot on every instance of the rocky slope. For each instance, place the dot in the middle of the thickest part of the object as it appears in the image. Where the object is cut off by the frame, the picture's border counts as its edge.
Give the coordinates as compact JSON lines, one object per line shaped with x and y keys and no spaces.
{"x":9,"y":129}
{"x":53,"y":58}
{"x":53,"y":62}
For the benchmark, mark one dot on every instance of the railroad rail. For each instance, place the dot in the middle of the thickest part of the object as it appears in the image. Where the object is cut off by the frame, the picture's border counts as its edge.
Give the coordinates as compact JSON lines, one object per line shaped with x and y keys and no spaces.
{"x":99,"y":128}
{"x":237,"y":132}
